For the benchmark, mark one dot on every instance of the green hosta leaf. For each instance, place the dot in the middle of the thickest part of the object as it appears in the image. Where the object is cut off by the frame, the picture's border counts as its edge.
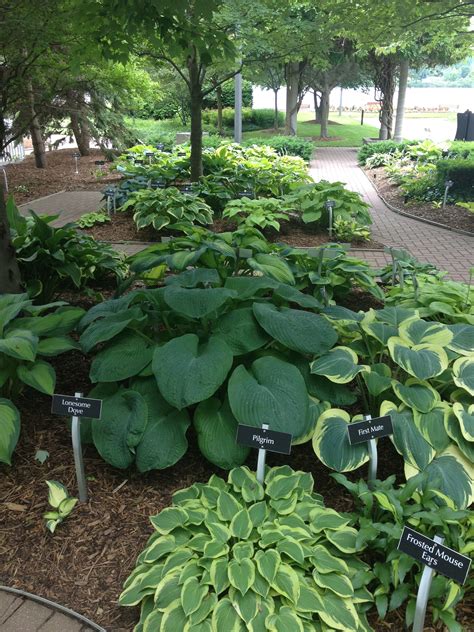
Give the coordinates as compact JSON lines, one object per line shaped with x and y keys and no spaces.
{"x":241,"y":574}
{"x":216,"y":428}
{"x":227,"y":506}
{"x":174,"y":617}
{"x":54,"y":346}
{"x":240,"y":331}
{"x":292,"y":549}
{"x":331,"y":443}
{"x":417,"y":394}
{"x":379,"y":330}
{"x":292,"y":295}
{"x":463,"y":374}
{"x":339,"y":365}
{"x":272,"y":266}
{"x":338,"y":613}
{"x":143,"y":581}
{"x":422,"y":361}
{"x":57,"y":493}
{"x":167,"y":591}
{"x":466,"y":420}
{"x":379,"y":379}
{"x":164,"y":440}
{"x":188,"y":372}
{"x":152,"y":621}
{"x":169,"y":519}
{"x":432,"y":426}
{"x":218,"y":575}
{"x":199,"y":621}
{"x":110,"y":326}
{"x":124,"y":357}
{"x":193,"y":278}
{"x":417,"y":332}
{"x":192,"y":594}
{"x":215,"y":548}
{"x":225,"y":617}
{"x":40,"y":376}
{"x":117,"y":434}
{"x":298,"y":330}
{"x":61,"y":322}
{"x":454,"y":427}
{"x":242,"y":551}
{"x":196,"y":303}
{"x":9,"y":429}
{"x":323,"y":518}
{"x":10,"y":306}
{"x":336,"y":583}
{"x":282,"y":486}
{"x":20,"y":344}
{"x":247,"y":287}
{"x":406,"y":437}
{"x":241,"y":526}
{"x":271,"y":391}
{"x":246,"y":605}
{"x":325,"y":562}
{"x":268,"y":563}
{"x":344,"y":539}
{"x":285,"y":620}
{"x":463,"y":339}
{"x":287,"y":582}
{"x":159,"y":548}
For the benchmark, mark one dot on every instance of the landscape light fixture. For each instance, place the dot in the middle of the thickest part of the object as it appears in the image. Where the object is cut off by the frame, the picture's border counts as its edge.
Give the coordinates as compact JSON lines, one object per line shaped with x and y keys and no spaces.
{"x":76,"y":155}
{"x":109,"y":195}
{"x":448,"y":184}
{"x":330,"y":204}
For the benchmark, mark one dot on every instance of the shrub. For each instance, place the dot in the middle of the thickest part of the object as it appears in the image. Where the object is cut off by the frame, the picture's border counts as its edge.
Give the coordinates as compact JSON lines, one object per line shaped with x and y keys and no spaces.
{"x":251,"y":119}
{"x":52,"y":260}
{"x":166,"y":207}
{"x":256,"y":213}
{"x":239,"y":555}
{"x":382,"y":147}
{"x":228,"y":96}
{"x":461,"y":172}
{"x":461,"y":149}
{"x":290,"y":145}
{"x":350,"y":230}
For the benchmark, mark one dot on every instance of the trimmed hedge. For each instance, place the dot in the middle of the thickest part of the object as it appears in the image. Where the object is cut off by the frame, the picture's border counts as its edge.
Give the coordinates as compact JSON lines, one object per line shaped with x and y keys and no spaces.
{"x":251,"y":119}
{"x":461,"y":172}
{"x":290,"y":145}
{"x":382,"y":147}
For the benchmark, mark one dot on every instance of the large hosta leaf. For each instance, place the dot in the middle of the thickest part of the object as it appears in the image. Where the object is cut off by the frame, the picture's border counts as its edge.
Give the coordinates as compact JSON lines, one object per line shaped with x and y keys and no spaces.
{"x":216,"y":428}
{"x":406,"y":437}
{"x":417,"y":394}
{"x":269,"y":392}
{"x":452,"y":474}
{"x":432,"y":426}
{"x":466,"y":420}
{"x":418,"y":332}
{"x":422,"y":361}
{"x":296,"y":329}
{"x":164,"y":440}
{"x":20,"y":344}
{"x":241,"y":331}
{"x":38,"y":375}
{"x":124,"y":357}
{"x":188,"y":371}
{"x":121,"y":428}
{"x":463,"y":373}
{"x":196,"y":303}
{"x":463,"y":339}
{"x":339,"y":365}
{"x":272,"y":266}
{"x":109,"y":327}
{"x":331,"y":443}
{"x":456,"y":422}
{"x":9,"y":429}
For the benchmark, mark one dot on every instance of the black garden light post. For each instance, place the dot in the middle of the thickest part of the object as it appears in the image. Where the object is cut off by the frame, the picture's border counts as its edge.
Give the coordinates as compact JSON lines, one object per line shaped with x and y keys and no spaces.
{"x":330,"y":204}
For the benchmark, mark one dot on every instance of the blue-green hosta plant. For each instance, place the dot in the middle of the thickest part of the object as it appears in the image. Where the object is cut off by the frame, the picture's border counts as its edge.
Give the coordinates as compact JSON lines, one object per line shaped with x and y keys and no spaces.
{"x":381,"y":513}
{"x":211,"y":352}
{"x":238,"y":556}
{"x":62,"y":505}
{"x":162,"y":208}
{"x":422,"y":374}
{"x":29,"y":335}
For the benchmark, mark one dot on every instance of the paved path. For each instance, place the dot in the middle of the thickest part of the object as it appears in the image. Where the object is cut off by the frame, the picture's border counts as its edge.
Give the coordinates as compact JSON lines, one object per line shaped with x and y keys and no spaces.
{"x":447,"y":250}
{"x":20,"y":614}
{"x":70,"y":205}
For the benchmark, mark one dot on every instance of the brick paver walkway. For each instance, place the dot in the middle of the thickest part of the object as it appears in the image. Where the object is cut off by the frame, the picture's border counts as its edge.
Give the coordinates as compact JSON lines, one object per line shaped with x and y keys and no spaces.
{"x":20,"y":614}
{"x":69,"y":205}
{"x":447,"y":250}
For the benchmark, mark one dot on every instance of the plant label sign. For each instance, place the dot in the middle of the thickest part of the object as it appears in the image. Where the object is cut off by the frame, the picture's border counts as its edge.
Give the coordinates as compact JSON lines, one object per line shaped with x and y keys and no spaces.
{"x":438,"y":557}
{"x":69,"y":405}
{"x":264,"y":439}
{"x":370,"y":429}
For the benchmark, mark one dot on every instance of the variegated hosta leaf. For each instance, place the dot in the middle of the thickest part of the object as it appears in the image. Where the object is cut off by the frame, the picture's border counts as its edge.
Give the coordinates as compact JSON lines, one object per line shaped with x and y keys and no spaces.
{"x":406,"y":437}
{"x":417,"y":394}
{"x":463,"y":373}
{"x":418,"y":332}
{"x":340,"y":365}
{"x":432,"y":426}
{"x":377,"y":329}
{"x":452,"y":474}
{"x":331,"y":443}
{"x":463,"y":339}
{"x":466,"y":420}
{"x":9,"y":429}
{"x":422,"y":361}
{"x":456,"y":423}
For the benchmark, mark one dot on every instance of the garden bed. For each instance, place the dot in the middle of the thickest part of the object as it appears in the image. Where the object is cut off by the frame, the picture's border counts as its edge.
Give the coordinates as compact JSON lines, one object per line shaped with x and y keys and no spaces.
{"x":452,"y":216}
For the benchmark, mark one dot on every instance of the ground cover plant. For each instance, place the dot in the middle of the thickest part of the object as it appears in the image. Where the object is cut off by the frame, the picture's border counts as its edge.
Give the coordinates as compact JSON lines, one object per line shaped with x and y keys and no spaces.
{"x":239,"y":555}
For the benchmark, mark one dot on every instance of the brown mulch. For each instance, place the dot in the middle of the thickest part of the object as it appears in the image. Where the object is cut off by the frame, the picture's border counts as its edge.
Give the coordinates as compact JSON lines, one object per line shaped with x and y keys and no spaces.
{"x":121,"y":228}
{"x":452,"y":216}
{"x":26,"y":182}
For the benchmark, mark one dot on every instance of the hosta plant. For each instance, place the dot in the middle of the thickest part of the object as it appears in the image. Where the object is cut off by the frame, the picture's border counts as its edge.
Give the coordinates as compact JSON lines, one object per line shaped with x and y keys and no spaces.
{"x":29,"y":335}
{"x":62,"y":505}
{"x":162,"y":208}
{"x":262,"y":213}
{"x":381,"y":513}
{"x":239,"y":556}
{"x":422,"y":374}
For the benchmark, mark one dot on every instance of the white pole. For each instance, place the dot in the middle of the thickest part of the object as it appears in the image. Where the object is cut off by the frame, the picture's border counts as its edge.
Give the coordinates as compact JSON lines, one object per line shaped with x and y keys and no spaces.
{"x":340,"y":103}
{"x":238,"y":108}
{"x":78,"y":459}
{"x":423,"y":594}
{"x":261,"y":460}
{"x":372,"y":447}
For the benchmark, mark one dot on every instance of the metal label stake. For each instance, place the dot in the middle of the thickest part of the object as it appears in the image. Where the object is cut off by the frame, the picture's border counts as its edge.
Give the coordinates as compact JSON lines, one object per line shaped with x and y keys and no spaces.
{"x":373,"y":456}
{"x":423,"y":594}
{"x":78,"y":458}
{"x":261,"y":460}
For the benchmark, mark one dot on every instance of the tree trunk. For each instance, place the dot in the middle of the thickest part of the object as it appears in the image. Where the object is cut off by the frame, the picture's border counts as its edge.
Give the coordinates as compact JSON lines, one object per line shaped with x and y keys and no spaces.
{"x":324,"y":107}
{"x":275,"y":116}
{"x":35,"y":130}
{"x":196,"y":120}
{"x":84,"y":148}
{"x":292,"y":85}
{"x":219,"y":109}
{"x":79,"y":123}
{"x":10,"y":280}
{"x":402,"y":89}
{"x":317,"y":107}
{"x":384,"y":82}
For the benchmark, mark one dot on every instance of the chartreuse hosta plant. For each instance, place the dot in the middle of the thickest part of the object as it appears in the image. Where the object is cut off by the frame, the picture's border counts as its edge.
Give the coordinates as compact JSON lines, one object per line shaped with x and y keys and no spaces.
{"x":213,"y":353}
{"x":262,"y":213}
{"x":29,"y":334}
{"x":238,"y":556}
{"x":422,"y":374}
{"x":61,"y":502}
{"x":381,"y":514}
